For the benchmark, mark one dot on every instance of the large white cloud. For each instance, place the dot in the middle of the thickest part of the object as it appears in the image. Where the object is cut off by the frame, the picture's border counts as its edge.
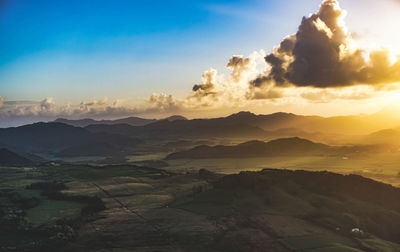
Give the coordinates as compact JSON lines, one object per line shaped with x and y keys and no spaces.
{"x":323,"y":54}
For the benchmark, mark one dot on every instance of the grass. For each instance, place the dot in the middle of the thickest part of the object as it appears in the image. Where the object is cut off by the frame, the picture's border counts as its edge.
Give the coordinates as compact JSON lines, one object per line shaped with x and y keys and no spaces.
{"x":300,"y":208}
{"x":210,"y":203}
{"x":49,"y":211}
{"x":382,"y":168}
{"x":336,"y":248}
{"x":92,"y":173}
{"x":380,"y":245}
{"x":71,"y":159}
{"x":327,"y":200}
{"x":147,"y":156}
{"x":321,"y":242}
{"x":146,"y":201}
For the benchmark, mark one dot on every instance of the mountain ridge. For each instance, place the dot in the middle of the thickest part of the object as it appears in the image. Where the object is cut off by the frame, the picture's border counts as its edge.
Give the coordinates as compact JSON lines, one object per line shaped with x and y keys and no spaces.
{"x":344,"y":125}
{"x":53,"y":138}
{"x":292,"y":146}
{"x":132,"y":120}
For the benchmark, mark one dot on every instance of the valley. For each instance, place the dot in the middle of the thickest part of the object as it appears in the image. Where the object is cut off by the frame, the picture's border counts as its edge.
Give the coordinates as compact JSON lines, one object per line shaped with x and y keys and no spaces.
{"x":167,"y":186}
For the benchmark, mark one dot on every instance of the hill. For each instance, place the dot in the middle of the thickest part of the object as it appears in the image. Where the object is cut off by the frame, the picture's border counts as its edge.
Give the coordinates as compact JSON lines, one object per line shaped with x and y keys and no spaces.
{"x":54,"y":138}
{"x":198,"y":128}
{"x":175,"y":118}
{"x":282,"y":203}
{"x":386,"y":136}
{"x":337,"y":130}
{"x":354,"y":124}
{"x":279,"y":147}
{"x":133,"y":121}
{"x":8,"y":158}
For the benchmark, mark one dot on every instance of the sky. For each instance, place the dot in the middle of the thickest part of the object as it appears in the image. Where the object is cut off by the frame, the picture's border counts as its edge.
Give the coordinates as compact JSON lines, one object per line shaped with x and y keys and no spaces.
{"x":110,"y":59}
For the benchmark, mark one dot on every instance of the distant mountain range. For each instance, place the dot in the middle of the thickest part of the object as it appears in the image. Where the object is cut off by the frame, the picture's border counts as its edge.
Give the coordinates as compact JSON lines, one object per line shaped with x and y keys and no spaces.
{"x":357,"y":124}
{"x":176,"y":129}
{"x":133,"y":121}
{"x":279,"y":147}
{"x":120,"y":137}
{"x":249,"y":125}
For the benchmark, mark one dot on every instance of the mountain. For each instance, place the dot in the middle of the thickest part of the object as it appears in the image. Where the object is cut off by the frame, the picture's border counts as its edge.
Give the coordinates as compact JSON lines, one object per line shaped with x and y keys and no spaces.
{"x":386,"y":136}
{"x":114,"y":137}
{"x":355,"y":124}
{"x":198,"y":128}
{"x":8,"y":158}
{"x":343,"y":204}
{"x":175,"y":118}
{"x":133,"y":121}
{"x":43,"y":136}
{"x":293,"y":146}
{"x":53,"y":138}
{"x":335,"y":130}
{"x":90,"y":149}
{"x":278,"y":147}
{"x":243,"y":124}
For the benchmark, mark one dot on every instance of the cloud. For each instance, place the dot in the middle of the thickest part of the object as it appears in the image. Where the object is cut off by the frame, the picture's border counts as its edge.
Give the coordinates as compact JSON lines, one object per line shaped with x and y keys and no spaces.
{"x":220,"y":90}
{"x":47,"y":105}
{"x":207,"y":85}
{"x":320,"y":63}
{"x":14,"y":113}
{"x":322,"y":54}
{"x":163,"y":102}
{"x":88,"y":106}
{"x":95,"y":103}
{"x":27,"y":108}
{"x":264,"y":92}
{"x":240,"y":66}
{"x":215,"y":90}
{"x":330,"y":94}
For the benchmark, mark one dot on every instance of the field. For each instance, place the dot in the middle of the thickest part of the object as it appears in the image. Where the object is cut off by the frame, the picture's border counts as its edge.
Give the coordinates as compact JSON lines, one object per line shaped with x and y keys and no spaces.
{"x":144,"y":202}
{"x":171,"y":209}
{"x":383,"y":168}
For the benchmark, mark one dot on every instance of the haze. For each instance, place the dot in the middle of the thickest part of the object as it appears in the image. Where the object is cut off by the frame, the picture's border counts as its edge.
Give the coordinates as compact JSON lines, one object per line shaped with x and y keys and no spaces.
{"x":76,"y":60}
{"x":212,"y":125}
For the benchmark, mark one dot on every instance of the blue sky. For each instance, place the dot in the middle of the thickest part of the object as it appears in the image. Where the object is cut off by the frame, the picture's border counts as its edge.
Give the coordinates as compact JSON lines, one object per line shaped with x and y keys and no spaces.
{"x":79,"y":50}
